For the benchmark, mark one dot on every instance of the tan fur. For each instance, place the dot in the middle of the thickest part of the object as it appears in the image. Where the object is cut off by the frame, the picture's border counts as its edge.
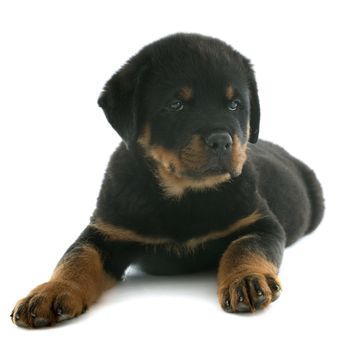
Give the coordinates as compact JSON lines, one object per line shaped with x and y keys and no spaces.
{"x":248,"y":131}
{"x":77,"y":282}
{"x":145,"y":137}
{"x":230,"y":92}
{"x":231,"y":270}
{"x":171,"y":167}
{"x":193,"y":156}
{"x":236,"y":265}
{"x":84,"y":268}
{"x":122,"y":234}
{"x":237,"y":225}
{"x":176,"y":187}
{"x":186,"y":93}
{"x":239,"y":154}
{"x":165,"y":158}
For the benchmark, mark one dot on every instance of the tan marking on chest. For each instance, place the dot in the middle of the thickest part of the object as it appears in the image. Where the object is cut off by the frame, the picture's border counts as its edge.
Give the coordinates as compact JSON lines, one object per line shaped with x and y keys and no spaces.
{"x":189,"y":246}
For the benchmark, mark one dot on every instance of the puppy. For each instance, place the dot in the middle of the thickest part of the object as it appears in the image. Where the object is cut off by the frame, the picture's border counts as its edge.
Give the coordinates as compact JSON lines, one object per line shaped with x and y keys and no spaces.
{"x":189,"y":189}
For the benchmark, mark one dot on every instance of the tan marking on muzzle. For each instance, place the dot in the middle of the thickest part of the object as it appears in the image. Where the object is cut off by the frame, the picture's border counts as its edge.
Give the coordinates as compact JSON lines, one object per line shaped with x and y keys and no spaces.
{"x":170,"y":168}
{"x":164,"y":157}
{"x":194,"y":156}
{"x":239,"y":155}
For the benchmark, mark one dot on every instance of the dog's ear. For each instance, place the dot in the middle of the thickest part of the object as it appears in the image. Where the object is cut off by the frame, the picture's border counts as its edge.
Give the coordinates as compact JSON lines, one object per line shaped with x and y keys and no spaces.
{"x":254,"y":102}
{"x":120,"y":99}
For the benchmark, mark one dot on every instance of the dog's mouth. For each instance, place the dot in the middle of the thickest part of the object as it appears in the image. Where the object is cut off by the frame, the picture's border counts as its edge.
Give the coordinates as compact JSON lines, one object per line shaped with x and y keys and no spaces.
{"x":197,"y":160}
{"x":215,"y":166}
{"x":193,"y":166}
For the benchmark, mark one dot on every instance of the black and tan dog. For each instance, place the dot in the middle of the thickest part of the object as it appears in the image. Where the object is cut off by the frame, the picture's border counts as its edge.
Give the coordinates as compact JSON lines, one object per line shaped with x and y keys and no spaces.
{"x":189,"y":189}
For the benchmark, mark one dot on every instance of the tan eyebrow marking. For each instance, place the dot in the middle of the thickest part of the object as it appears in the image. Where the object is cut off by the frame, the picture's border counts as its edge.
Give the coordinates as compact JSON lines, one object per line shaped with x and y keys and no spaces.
{"x":186,"y":93}
{"x":230,"y":92}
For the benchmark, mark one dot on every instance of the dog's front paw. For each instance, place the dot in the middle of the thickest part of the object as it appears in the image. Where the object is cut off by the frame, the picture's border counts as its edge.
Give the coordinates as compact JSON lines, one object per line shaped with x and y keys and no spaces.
{"x":248,"y":293}
{"x":48,"y":304}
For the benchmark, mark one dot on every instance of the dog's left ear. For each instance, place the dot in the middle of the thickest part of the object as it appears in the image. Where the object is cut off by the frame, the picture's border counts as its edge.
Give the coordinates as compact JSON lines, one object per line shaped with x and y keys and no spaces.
{"x":120,"y":98}
{"x":254,"y":102}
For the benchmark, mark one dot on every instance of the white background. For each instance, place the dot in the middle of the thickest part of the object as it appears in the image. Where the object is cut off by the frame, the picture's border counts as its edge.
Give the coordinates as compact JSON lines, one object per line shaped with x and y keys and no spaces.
{"x":55,"y":144}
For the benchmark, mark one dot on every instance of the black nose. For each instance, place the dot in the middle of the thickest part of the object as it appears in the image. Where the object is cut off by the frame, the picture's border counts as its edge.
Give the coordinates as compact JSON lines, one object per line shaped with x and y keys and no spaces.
{"x":219,"y":142}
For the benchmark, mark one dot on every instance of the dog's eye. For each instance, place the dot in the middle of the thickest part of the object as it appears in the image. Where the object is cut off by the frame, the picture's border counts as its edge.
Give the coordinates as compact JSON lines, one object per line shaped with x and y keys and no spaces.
{"x":234,"y":105}
{"x":177,"y":105}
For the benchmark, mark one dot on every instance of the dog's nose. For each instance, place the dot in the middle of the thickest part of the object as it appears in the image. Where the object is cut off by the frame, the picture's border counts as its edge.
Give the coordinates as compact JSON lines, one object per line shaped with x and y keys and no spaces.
{"x":219,"y":142}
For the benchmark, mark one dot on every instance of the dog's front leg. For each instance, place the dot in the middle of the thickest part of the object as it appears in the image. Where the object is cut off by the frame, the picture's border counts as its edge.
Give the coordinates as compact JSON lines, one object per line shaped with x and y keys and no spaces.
{"x":247,"y":275}
{"x":89,"y":267}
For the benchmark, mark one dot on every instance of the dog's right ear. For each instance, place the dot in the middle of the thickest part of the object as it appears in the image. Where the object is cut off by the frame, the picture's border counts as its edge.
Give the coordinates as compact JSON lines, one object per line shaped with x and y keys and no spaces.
{"x":120,"y":98}
{"x":254,"y":101}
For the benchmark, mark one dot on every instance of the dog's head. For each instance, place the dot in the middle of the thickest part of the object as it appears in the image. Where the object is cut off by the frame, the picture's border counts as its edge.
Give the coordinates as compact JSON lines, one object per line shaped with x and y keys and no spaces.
{"x":191,"y":102}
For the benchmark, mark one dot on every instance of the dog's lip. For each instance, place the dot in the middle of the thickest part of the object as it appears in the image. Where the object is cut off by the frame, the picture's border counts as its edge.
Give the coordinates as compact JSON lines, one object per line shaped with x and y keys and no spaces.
{"x":215,"y":170}
{"x":210,"y":171}
{"x":218,"y":165}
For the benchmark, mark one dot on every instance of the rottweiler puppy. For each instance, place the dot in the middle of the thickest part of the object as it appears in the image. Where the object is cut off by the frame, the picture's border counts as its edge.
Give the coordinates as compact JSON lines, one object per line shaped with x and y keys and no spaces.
{"x":189,"y":189}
